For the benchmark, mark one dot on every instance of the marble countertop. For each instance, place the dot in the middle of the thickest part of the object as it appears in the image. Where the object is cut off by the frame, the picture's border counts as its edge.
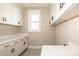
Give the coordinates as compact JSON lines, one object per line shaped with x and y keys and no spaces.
{"x":48,"y":50}
{"x":9,"y":38}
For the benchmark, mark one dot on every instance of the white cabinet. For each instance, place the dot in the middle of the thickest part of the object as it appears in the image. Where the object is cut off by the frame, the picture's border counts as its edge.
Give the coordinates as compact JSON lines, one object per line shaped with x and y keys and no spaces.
{"x":24,"y":42}
{"x":54,"y":11}
{"x":51,"y":11}
{"x":7,"y":13}
{"x":17,"y":13}
{"x":20,"y":45}
{"x":6,"y":49}
{"x":13,"y":48}
{"x":0,"y":13}
{"x":10,"y":14}
{"x":18,"y":48}
{"x":64,"y":11}
{"x":6,"y":52}
{"x":65,"y":7}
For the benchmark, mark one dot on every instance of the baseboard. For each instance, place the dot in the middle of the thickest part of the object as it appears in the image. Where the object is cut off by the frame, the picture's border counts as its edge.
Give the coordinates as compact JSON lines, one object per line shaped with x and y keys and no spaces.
{"x":34,"y":47}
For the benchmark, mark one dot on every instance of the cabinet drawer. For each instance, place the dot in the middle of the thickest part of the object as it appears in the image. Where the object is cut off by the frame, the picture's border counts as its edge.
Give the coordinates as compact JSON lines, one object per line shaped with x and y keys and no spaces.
{"x":9,"y":44}
{"x":6,"y":45}
{"x":6,"y":52}
{"x":1,"y":48}
{"x":13,"y":48}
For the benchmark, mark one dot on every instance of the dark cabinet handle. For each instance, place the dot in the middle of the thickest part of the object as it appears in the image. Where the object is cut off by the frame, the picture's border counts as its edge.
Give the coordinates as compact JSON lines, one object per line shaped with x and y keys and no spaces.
{"x":3,"y":19}
{"x":6,"y":46}
{"x":61,"y":5}
{"x":24,"y":43}
{"x":12,"y":50}
{"x":18,"y":22}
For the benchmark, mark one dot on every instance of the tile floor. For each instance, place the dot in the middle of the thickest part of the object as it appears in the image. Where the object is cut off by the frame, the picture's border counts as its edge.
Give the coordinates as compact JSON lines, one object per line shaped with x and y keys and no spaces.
{"x":31,"y":52}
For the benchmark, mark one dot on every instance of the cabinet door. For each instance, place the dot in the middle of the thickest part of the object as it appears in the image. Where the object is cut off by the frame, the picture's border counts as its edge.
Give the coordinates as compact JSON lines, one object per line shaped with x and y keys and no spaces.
{"x":25,"y":42}
{"x":5,"y":49}
{"x":0,"y":13}
{"x":2,"y":48}
{"x":3,"y":12}
{"x":15,"y":49}
{"x":16,"y":15}
{"x":57,"y":10}
{"x":6,"y":52}
{"x":21,"y":46}
{"x":65,"y":7}
{"x":54,"y":11}
{"x":20,"y":16}
{"x":10,"y":14}
{"x":18,"y":48}
{"x":7,"y":13}
{"x":51,"y":11}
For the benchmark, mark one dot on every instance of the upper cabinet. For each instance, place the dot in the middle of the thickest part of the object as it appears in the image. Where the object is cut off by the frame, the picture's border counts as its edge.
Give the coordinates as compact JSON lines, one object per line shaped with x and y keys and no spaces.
{"x":54,"y":12}
{"x":64,"y":12}
{"x":0,"y":12}
{"x":6,"y":13}
{"x":17,"y":13}
{"x":11,"y":14}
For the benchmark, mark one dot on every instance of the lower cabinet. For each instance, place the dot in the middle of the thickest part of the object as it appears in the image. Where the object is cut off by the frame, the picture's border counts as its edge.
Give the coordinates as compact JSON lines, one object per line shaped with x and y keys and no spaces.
{"x":24,"y":43}
{"x":17,"y":49}
{"x":14,"y":48}
{"x":6,"y":52}
{"x":6,"y":49}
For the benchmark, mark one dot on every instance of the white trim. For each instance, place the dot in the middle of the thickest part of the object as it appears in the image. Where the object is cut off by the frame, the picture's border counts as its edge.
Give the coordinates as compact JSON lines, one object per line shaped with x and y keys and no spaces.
{"x":34,"y":47}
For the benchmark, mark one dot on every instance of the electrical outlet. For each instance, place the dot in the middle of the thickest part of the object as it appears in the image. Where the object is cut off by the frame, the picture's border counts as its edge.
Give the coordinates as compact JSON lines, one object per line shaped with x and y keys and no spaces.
{"x":64,"y":44}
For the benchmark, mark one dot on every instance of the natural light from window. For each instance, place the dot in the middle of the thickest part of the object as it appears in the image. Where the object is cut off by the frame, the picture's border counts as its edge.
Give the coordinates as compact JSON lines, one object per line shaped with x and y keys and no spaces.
{"x":34,"y":20}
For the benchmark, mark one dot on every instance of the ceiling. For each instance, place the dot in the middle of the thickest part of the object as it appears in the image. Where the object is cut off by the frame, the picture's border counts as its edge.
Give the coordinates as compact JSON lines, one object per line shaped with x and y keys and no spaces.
{"x":35,"y":4}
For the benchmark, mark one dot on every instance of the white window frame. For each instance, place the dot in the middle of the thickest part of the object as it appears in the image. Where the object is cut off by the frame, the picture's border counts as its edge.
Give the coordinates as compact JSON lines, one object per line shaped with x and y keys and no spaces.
{"x":29,"y":20}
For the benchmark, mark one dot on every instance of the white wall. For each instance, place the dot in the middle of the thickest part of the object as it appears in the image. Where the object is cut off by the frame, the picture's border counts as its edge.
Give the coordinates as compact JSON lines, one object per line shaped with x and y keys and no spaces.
{"x":68,"y":31}
{"x":46,"y":36}
{"x":8,"y":30}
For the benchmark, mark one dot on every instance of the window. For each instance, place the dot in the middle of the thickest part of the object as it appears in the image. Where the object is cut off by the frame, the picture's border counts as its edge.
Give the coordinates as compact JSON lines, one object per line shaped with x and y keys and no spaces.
{"x":34,"y":20}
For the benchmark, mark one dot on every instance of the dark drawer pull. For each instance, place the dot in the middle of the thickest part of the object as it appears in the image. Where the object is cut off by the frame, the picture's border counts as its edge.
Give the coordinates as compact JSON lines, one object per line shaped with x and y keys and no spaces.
{"x":6,"y":46}
{"x":24,"y":43}
{"x":13,"y":50}
{"x":3,"y":19}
